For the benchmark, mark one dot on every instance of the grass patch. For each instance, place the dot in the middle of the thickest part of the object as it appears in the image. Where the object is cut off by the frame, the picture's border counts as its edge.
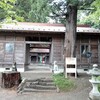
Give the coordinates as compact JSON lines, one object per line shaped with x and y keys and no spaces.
{"x":63,"y":83}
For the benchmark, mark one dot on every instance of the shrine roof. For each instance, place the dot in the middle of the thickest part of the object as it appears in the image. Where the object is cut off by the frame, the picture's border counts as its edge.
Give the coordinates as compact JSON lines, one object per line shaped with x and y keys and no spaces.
{"x":44,"y":27}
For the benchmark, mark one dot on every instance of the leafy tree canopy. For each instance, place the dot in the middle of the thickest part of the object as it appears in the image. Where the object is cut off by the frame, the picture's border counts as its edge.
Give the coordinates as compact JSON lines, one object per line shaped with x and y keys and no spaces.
{"x":92,"y":17}
{"x":61,"y":9}
{"x":6,"y":10}
{"x":32,"y":10}
{"x":22,"y":8}
{"x":40,"y":10}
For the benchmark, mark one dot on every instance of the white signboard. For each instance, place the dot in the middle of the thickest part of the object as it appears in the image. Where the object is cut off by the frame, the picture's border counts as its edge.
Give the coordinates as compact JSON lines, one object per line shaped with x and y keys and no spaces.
{"x":71,"y":61}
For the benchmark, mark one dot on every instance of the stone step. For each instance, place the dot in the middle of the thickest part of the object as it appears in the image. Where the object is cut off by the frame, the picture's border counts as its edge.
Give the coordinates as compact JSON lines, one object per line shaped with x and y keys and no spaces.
{"x":35,"y":90}
{"x":41,"y":87}
{"x":45,"y":80}
{"x":33,"y":64}
{"x":39,"y":66}
{"x":43,"y":83}
{"x":40,"y":81}
{"x":39,"y":71}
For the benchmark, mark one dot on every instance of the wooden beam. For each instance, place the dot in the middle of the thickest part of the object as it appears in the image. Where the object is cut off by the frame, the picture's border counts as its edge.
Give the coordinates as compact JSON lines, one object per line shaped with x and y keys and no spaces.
{"x":35,"y":42}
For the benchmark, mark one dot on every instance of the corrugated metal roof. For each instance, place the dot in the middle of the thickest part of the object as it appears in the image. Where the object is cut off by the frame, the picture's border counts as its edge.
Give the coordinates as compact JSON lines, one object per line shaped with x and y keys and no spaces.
{"x":42,"y":27}
{"x":87,"y":30}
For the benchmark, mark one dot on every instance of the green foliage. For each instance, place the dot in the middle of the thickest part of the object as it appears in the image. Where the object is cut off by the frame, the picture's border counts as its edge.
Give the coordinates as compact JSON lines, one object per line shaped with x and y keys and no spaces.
{"x":22,"y":8}
{"x":6,"y":9}
{"x":73,"y":2}
{"x":62,"y":8}
{"x":98,"y":78}
{"x":63,"y":83}
{"x":40,"y":10}
{"x":32,"y":10}
{"x":93,"y":17}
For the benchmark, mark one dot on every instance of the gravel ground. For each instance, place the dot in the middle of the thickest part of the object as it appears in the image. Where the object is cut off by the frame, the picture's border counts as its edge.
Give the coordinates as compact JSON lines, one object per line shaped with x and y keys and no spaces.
{"x":80,"y":93}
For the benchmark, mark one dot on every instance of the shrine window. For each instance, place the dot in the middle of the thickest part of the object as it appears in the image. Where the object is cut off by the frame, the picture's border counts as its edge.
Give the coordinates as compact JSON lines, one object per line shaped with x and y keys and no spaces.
{"x":84,"y":49}
{"x":9,"y":47}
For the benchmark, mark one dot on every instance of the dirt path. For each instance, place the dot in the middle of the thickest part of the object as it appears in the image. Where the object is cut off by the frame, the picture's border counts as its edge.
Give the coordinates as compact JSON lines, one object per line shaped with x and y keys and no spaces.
{"x":80,"y":93}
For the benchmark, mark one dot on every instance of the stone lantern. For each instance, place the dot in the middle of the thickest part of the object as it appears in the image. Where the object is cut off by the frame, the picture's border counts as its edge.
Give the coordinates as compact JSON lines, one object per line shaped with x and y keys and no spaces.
{"x":94,"y":93}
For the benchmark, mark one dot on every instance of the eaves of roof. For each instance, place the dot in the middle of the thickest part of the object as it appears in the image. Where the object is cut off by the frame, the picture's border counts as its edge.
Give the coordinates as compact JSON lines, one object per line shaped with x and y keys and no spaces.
{"x":43,"y":27}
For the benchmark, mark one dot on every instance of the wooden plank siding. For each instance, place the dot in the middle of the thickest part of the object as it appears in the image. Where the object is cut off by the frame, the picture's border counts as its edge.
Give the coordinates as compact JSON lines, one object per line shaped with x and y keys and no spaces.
{"x":1,"y":51}
{"x":94,"y":50}
{"x":99,"y":51}
{"x":93,"y":46}
{"x":19,"y":54}
{"x":58,"y":45}
{"x":18,"y":50}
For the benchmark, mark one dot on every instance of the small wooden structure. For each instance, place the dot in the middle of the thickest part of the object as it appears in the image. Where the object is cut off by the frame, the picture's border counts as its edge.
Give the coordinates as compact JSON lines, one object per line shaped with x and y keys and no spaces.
{"x":10,"y":79}
{"x":71,"y":66}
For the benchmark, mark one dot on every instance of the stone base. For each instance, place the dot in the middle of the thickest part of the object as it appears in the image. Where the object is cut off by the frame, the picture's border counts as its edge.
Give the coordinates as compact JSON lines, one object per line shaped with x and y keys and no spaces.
{"x":94,"y":96}
{"x":10,"y":69}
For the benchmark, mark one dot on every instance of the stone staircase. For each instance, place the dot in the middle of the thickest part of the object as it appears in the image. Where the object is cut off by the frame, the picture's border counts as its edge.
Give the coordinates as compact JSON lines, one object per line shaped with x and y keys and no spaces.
{"x":37,"y":85}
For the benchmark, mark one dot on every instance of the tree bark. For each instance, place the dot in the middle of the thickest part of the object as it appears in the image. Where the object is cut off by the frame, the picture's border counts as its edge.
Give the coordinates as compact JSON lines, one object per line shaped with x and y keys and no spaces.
{"x":70,"y":34}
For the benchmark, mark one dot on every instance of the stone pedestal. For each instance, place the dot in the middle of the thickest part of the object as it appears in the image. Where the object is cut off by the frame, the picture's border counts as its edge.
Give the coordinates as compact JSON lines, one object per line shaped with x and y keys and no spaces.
{"x":94,"y":93}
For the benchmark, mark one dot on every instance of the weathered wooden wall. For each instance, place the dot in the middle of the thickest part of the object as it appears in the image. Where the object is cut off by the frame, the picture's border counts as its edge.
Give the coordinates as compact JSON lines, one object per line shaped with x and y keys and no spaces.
{"x":20,"y":49}
{"x":99,"y":52}
{"x":58,"y":47}
{"x":20,"y":55}
{"x":27,"y":56}
{"x":17,"y":52}
{"x":1,"y":51}
{"x":92,"y":41}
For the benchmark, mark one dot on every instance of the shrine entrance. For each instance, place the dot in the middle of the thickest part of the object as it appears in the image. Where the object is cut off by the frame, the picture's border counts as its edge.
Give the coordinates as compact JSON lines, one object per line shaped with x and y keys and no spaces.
{"x":38,"y":50}
{"x":40,"y":53}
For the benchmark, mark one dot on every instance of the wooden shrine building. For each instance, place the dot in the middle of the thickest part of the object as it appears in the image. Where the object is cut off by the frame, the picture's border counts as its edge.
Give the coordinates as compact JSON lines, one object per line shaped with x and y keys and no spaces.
{"x":35,"y":43}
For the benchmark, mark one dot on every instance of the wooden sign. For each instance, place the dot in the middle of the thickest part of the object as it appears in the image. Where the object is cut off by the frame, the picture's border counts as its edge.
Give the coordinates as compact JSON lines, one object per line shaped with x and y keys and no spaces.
{"x":71,"y":62}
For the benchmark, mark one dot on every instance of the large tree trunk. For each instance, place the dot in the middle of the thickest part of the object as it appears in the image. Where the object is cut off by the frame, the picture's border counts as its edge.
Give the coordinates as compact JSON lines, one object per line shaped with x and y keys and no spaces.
{"x":70,"y":34}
